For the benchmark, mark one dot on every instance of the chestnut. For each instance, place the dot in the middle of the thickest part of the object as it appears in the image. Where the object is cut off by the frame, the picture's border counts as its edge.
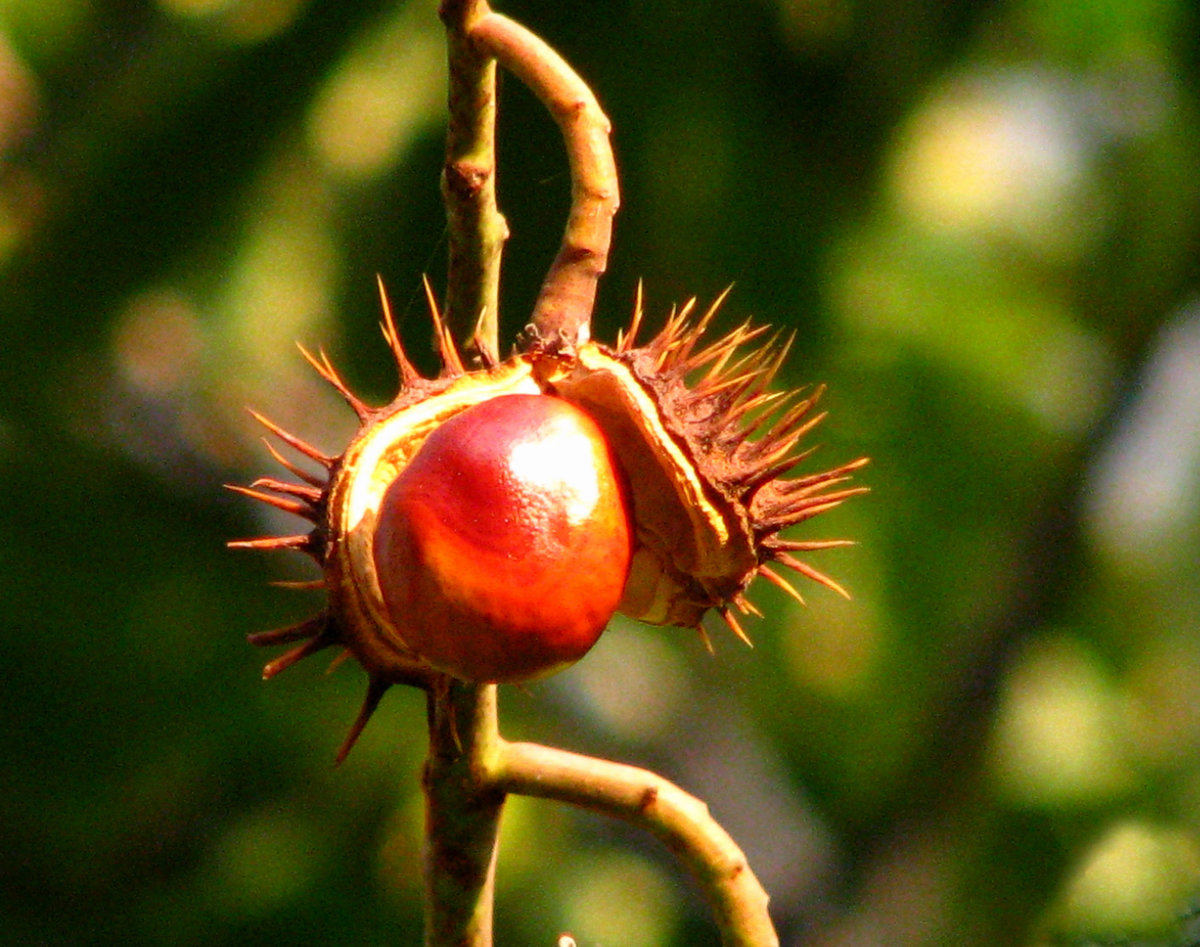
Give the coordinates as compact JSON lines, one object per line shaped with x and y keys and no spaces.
{"x":502,"y":550}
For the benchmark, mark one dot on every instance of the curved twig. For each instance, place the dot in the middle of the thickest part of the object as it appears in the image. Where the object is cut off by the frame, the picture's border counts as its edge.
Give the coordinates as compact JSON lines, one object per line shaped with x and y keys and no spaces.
{"x":648,"y":800}
{"x":563,"y":311}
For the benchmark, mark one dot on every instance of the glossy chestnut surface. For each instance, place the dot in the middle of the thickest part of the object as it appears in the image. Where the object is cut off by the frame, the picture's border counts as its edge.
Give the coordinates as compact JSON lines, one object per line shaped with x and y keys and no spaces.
{"x":503,"y":548}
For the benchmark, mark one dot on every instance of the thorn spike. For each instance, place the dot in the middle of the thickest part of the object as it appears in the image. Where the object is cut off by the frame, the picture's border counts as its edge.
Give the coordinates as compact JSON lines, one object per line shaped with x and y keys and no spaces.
{"x":296,"y":507}
{"x":408,"y":374}
{"x":324,"y":367}
{"x":452,"y":363}
{"x":728,"y":618}
{"x":375,"y":691}
{"x":812,"y":505}
{"x":711,"y":311}
{"x":805,"y":545}
{"x":780,"y":515}
{"x":780,"y":350}
{"x":299,"y":653}
{"x":292,"y":468}
{"x":301,"y":542}
{"x":292,"y":440}
{"x":668,"y":340}
{"x":312,"y":494}
{"x":745,"y":606}
{"x":722,"y":350}
{"x":302,"y":585}
{"x":309,"y":628}
{"x":780,"y":582}
{"x":718,"y":354}
{"x":338,"y":661}
{"x":626,"y":340}
{"x":691,"y":336}
{"x":761,"y":471}
{"x":812,"y":483}
{"x":797,"y":431}
{"x":361,"y":408}
{"x":806,"y":570}
{"x":732,"y":386}
{"x":792,"y":420}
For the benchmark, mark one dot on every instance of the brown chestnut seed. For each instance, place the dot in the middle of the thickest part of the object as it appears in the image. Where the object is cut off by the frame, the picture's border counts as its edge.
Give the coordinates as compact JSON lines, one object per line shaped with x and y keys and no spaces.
{"x":502,"y":550}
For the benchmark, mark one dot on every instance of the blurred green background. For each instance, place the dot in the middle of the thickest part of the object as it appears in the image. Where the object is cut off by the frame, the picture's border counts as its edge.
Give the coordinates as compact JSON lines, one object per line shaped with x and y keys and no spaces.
{"x":980,"y":218}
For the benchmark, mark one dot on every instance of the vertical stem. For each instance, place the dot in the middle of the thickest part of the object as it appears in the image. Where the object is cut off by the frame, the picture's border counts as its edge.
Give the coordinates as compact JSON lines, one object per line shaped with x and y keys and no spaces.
{"x":477,"y":230}
{"x":462,"y":814}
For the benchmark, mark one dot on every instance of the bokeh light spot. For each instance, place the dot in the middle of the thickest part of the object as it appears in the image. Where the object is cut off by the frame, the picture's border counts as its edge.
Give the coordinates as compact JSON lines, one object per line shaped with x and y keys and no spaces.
{"x":1001,"y":155}
{"x":648,"y":911}
{"x":1057,"y":737}
{"x":382,"y":96}
{"x":1134,"y":881}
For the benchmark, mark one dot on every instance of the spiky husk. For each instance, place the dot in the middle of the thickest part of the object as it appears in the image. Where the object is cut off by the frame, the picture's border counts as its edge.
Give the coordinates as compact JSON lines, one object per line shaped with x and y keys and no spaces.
{"x":703,"y":441}
{"x":702,"y":421}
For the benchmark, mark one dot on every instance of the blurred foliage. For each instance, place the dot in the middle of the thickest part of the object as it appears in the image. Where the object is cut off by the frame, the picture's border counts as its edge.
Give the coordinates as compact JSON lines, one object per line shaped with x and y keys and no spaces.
{"x":981,"y":220}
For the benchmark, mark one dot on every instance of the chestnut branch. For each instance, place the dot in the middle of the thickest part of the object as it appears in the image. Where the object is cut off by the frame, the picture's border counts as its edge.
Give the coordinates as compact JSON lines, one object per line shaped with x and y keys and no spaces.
{"x":477,"y":229}
{"x":462,"y":814}
{"x":657,"y":805}
{"x":563,"y":310}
